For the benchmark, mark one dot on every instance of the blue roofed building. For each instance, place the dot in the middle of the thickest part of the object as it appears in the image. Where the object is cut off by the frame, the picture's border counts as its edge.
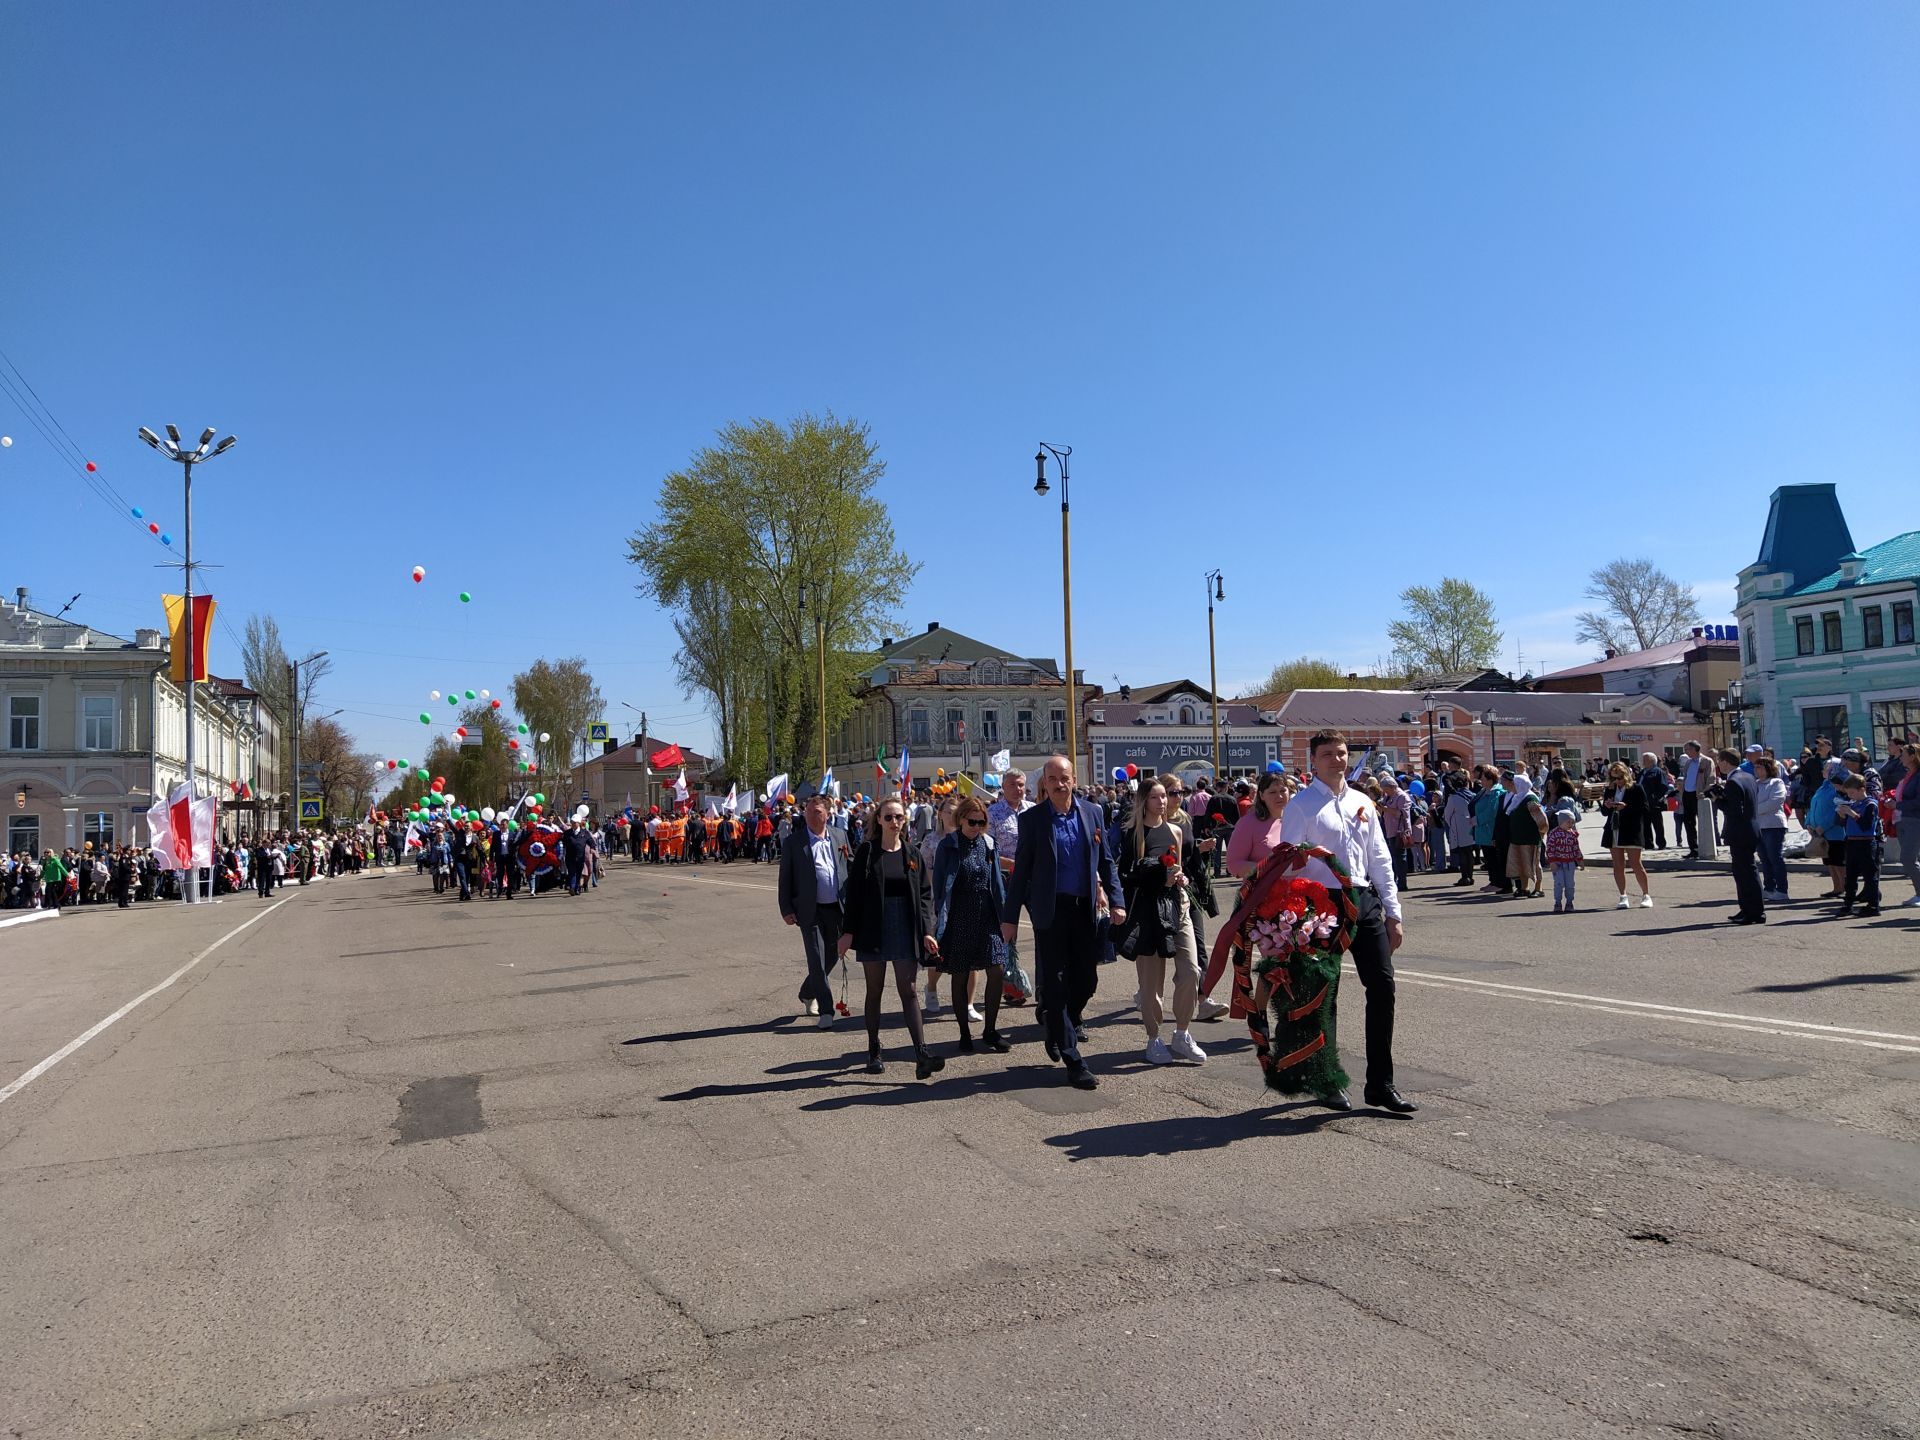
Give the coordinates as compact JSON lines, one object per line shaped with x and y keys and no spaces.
{"x":1827,"y":642}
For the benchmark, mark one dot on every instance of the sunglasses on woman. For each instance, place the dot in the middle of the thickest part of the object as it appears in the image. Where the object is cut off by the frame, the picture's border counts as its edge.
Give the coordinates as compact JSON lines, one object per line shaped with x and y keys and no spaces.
{"x":973,"y":820}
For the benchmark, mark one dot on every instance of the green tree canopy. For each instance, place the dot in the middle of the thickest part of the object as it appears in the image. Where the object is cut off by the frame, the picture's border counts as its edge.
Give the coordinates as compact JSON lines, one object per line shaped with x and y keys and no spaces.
{"x":1309,"y":672}
{"x":764,"y":533}
{"x":1446,"y":627}
{"x":558,"y":699}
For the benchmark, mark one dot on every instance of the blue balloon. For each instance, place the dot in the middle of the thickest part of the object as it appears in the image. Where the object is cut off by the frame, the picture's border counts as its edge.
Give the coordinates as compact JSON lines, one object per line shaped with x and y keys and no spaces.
{"x":1120,"y":772}
{"x":1417,"y":787}
{"x":1274,"y":767}
{"x":992,"y":782}
{"x":166,"y":539}
{"x":138,"y":513}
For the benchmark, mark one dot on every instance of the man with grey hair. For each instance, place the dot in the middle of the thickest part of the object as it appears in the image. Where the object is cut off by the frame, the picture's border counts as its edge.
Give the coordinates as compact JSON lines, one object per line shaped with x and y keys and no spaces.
{"x":1657,"y":785}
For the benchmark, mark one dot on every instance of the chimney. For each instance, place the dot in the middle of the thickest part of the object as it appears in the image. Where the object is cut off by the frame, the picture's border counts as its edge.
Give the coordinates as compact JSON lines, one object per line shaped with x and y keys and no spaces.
{"x":1612,"y":654}
{"x":149,"y":640}
{"x":932,"y":625}
{"x":20,"y":596}
{"x":887,"y":644}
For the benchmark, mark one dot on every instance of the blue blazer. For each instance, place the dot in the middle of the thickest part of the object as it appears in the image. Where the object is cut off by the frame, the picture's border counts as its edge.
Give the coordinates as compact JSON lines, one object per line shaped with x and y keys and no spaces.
{"x":1035,"y":879}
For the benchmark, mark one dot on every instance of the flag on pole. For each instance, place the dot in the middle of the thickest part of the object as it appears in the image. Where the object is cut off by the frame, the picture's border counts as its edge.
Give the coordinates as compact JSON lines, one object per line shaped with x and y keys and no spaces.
{"x":828,"y":785}
{"x":778,"y":788}
{"x":1001,"y":762}
{"x":905,"y":773}
{"x":680,"y":786}
{"x":731,"y":805}
{"x":176,"y":608}
{"x":666,"y":759}
{"x":183,"y":837}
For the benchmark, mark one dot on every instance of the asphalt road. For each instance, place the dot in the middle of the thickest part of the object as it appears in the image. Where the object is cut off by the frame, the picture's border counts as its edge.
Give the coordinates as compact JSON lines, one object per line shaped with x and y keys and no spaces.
{"x":386,"y":1164}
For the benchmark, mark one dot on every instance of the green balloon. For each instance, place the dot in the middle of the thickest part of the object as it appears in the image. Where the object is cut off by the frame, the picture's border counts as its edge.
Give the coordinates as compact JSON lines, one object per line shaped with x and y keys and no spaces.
{"x":453,"y":699}
{"x":425,"y":719}
{"x":539,"y":799}
{"x":464,"y":599}
{"x":469,"y":694}
{"x":521,"y":728}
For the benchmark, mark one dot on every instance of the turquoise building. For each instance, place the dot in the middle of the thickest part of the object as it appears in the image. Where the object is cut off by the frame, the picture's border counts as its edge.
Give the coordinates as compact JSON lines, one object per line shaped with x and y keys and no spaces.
{"x":1827,"y":644}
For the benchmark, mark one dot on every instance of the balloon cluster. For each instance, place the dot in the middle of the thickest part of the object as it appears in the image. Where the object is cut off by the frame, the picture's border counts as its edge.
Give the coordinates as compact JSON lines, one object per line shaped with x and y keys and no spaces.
{"x":1123,"y":773}
{"x":139,"y":514}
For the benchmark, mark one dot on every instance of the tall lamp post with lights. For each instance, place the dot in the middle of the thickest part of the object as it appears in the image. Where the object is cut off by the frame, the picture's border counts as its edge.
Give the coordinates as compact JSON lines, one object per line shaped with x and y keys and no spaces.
{"x":188,"y":456}
{"x":1216,"y":590}
{"x":1060,"y":454}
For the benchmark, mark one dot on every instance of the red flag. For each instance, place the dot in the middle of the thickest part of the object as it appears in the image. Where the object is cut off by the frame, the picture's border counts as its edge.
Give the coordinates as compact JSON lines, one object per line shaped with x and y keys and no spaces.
{"x":176,"y":608}
{"x":666,"y":759}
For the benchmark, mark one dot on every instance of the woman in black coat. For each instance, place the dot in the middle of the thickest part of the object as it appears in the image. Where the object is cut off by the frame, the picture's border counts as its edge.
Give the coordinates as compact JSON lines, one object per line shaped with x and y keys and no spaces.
{"x":1629,"y":818}
{"x":889,"y":909}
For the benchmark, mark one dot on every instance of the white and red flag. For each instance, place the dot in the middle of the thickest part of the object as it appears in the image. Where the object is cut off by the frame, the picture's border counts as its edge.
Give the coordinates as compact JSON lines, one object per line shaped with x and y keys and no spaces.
{"x":183,"y":832}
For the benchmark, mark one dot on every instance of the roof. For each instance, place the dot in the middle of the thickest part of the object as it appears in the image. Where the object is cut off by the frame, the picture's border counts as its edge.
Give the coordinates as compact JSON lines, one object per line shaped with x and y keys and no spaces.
{"x":1806,"y":531}
{"x":1381,"y":709}
{"x":1673,"y":654}
{"x":937,"y":644}
{"x":1166,"y":690}
{"x":1890,"y":560}
{"x":59,"y":633}
{"x":629,"y":754}
{"x":237,"y":689}
{"x":1478,"y":678}
{"x":1236,"y":712}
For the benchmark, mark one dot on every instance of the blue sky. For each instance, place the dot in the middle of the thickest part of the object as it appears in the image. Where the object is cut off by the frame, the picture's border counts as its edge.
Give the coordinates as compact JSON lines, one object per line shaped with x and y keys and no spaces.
{"x":1338,"y":298}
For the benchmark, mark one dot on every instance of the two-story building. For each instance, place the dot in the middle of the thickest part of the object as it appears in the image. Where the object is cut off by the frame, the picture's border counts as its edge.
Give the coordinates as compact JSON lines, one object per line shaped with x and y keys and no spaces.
{"x":1690,"y":674}
{"x":1827,"y":630}
{"x":1168,"y":728}
{"x":95,"y":732}
{"x":950,"y":702}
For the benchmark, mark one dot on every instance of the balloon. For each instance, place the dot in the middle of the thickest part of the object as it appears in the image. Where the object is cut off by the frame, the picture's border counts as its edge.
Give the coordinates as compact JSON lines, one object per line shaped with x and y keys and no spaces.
{"x":539,"y":799}
{"x":165,"y":539}
{"x":1119,"y":772}
{"x":465,"y":598}
{"x":433,"y":694}
{"x":390,"y":765}
{"x":425,"y":719}
{"x":461,"y":731}
{"x":404,"y":765}
{"x":453,"y":699}
{"x":419,"y":573}
{"x":513,"y":744}
{"x":486,"y":812}
{"x":491,"y":704}
{"x":521,"y":728}
{"x":1274,"y":767}
{"x":91,"y":467}
{"x":1133,"y":772}
{"x":469,"y":694}
{"x":6,"y":443}
{"x":545,"y":737}
{"x":485,"y":693}
{"x":138,"y":513}
{"x":1417,"y":787}
{"x":537,"y":809}
{"x":941,"y":773}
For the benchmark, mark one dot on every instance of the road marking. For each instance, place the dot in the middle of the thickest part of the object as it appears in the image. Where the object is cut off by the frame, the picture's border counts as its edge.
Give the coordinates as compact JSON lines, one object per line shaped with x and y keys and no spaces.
{"x":30,"y":918}
{"x":14,"y":1087}
{"x":1647,"y":1009}
{"x":708,"y":880}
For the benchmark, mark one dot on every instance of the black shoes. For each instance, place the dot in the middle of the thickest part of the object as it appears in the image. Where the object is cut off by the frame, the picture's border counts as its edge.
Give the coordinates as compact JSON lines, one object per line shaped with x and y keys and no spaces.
{"x":1335,"y":1100}
{"x":1385,"y":1097}
{"x":1082,"y":1078}
{"x":1053,"y":1050}
{"x":996,"y":1042}
{"x":875,"y":1065}
{"x":1746,"y":919}
{"x":928,"y":1064}
{"x":965,"y":1046}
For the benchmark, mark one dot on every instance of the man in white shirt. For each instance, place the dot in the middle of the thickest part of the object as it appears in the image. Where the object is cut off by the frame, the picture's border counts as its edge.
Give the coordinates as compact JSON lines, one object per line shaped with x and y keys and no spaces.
{"x":1696,"y":778}
{"x":1331,"y":815}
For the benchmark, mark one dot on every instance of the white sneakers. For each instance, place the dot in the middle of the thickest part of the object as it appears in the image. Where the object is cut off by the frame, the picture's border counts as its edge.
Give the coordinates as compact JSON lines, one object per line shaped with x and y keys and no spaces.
{"x":1914,"y":901}
{"x":1210,"y":1009}
{"x":813,"y":1008}
{"x":931,"y":1005}
{"x":1186,"y":1050}
{"x":1646,"y":902}
{"x":973,"y":1013}
{"x":1157,"y":1052}
{"x":1625,"y":904}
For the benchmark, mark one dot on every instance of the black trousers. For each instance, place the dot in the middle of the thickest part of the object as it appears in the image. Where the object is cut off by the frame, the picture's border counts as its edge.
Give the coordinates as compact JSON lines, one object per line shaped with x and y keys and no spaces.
{"x":1657,"y":824}
{"x":821,"y":937}
{"x":1373,"y":958}
{"x":1463,"y":857}
{"x":1746,"y":877}
{"x":1863,"y":871}
{"x":1688,"y":825}
{"x":1066,"y":957}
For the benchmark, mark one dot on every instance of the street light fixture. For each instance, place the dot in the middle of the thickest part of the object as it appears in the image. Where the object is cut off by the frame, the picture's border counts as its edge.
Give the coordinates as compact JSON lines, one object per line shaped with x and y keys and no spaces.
{"x":188,"y":459}
{"x":1492,"y":718}
{"x":1060,"y":454}
{"x":1216,"y":590}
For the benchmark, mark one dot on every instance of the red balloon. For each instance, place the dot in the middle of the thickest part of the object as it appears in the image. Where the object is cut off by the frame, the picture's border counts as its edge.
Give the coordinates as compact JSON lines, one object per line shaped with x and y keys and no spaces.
{"x":513,"y":744}
{"x":461,"y":731}
{"x":393,"y":764}
{"x":537,"y":809}
{"x":152,"y":529}
{"x":1133,"y":772}
{"x":493,"y":704}
{"x":91,"y":467}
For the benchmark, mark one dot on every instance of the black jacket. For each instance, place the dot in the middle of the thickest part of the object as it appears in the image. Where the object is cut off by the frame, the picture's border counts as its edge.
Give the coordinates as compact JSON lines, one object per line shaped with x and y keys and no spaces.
{"x":864,"y":903}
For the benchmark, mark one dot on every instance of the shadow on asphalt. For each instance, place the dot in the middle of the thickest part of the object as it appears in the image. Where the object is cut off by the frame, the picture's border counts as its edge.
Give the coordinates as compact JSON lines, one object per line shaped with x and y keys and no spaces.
{"x":1890,"y":977}
{"x":719,"y":1032}
{"x":1186,"y":1134}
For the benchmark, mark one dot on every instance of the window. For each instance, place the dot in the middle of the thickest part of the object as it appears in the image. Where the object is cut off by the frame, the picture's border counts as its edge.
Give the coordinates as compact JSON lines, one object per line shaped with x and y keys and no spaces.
{"x":1893,"y":720}
{"x":1827,"y":720}
{"x":1023,"y":727}
{"x":23,"y":835}
{"x":989,"y":726}
{"x":1186,"y":714}
{"x":1803,"y":635}
{"x":917,"y":732}
{"x":1629,"y":755}
{"x":1903,"y":623}
{"x":97,"y":828}
{"x":1057,"y":726}
{"x":96,"y":722}
{"x":1747,"y":637}
{"x":1830,"y":631}
{"x":23,"y":722}
{"x":1874,"y":631}
{"x":956,"y":724}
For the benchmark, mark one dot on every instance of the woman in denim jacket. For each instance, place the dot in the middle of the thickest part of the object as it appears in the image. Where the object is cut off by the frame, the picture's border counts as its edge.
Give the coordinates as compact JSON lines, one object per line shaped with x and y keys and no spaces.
{"x":1824,"y":822}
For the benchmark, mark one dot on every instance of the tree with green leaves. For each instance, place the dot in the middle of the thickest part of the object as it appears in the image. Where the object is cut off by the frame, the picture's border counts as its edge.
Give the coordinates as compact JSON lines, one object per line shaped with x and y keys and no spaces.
{"x":1641,"y":606}
{"x":1446,"y":627}
{"x":763,"y":533}
{"x":558,"y":699}
{"x":1312,"y":673}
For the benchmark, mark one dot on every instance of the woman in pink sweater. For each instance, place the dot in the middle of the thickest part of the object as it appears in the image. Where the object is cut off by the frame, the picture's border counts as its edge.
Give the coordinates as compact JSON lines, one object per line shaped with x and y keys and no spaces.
{"x":1255,"y":835}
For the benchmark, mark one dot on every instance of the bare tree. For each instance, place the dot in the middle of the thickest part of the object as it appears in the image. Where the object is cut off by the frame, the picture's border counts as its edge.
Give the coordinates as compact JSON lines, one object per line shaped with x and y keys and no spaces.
{"x":1641,"y":606}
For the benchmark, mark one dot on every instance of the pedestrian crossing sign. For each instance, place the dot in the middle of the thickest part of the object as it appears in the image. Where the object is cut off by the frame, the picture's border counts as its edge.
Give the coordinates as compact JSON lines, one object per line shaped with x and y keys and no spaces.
{"x":309,"y":808}
{"x":598,"y":732}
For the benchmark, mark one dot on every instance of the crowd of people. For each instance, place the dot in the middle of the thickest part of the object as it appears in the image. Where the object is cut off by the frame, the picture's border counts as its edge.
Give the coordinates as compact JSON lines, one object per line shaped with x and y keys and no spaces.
{"x":127,"y":875}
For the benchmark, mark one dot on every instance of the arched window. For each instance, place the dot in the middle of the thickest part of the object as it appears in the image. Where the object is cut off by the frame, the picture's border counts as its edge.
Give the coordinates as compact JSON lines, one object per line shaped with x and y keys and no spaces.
{"x":1186,"y":714}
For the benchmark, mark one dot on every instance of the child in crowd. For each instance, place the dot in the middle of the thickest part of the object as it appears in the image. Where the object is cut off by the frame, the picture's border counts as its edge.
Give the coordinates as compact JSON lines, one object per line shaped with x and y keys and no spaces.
{"x":1862,"y":818}
{"x":1563,"y":856}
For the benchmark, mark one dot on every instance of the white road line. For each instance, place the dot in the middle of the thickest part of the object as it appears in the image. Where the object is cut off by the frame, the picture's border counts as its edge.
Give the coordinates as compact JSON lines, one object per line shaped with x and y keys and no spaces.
{"x":16,"y":1086}
{"x":709,"y":880}
{"x":1646,"y":1009}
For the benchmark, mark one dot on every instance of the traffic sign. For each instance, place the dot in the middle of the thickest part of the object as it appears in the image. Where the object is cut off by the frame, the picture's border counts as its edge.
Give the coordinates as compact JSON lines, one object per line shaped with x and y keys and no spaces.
{"x":598,"y":732}
{"x":310,"y":809}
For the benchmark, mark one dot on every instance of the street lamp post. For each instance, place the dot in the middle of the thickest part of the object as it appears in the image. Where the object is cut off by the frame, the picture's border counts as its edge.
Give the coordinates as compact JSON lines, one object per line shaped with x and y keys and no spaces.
{"x":1433,"y":742}
{"x":1736,"y":707}
{"x":299,"y":709}
{"x":1493,"y":737}
{"x":1216,"y":590}
{"x":1060,"y":454}
{"x":188,"y":456}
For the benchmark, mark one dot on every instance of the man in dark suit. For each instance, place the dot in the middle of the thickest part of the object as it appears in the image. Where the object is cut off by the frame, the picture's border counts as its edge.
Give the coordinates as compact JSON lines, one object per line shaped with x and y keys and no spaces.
{"x":813,"y":886}
{"x":1062,"y":871}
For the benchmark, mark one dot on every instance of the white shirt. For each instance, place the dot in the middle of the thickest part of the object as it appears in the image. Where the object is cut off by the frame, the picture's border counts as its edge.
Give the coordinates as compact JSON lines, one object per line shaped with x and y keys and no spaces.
{"x":1348,"y":825}
{"x":826,"y":888}
{"x":1692,"y":782}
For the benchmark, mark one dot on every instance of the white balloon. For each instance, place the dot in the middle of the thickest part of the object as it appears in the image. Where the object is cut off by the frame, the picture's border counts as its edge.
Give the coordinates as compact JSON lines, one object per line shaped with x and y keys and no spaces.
{"x":486,"y":694}
{"x":6,"y":442}
{"x":545,"y":737}
{"x":486,"y":812}
{"x":433,"y":694}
